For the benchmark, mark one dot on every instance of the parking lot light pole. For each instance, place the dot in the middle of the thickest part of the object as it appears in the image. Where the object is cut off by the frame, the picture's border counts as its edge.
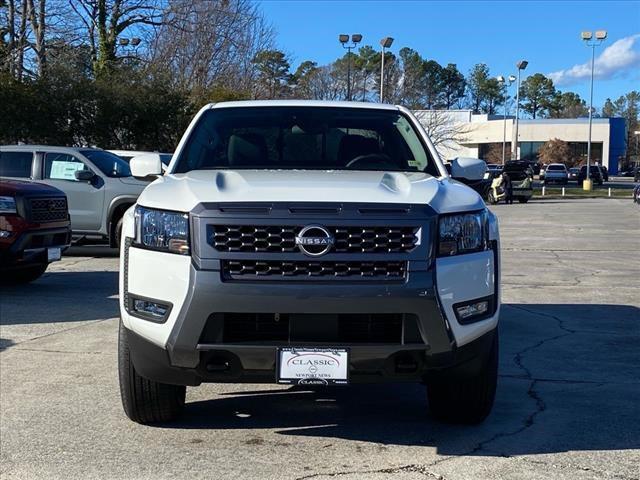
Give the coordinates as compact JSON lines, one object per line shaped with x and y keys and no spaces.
{"x":600,"y":35}
{"x":385,"y":43}
{"x":502,"y":81}
{"x":636,"y":163}
{"x":356,"y":38}
{"x":521,"y":65}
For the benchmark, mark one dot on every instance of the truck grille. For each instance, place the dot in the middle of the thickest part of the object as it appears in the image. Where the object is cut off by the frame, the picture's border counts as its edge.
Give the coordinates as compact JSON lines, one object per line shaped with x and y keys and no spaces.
{"x":46,"y":210}
{"x":264,"y":238}
{"x":332,"y":329}
{"x":246,"y":269}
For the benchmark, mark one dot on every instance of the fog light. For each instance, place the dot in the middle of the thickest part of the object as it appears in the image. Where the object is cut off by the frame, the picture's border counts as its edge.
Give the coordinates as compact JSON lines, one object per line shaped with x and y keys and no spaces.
{"x":5,"y":233}
{"x":151,"y":310}
{"x":474,"y":310}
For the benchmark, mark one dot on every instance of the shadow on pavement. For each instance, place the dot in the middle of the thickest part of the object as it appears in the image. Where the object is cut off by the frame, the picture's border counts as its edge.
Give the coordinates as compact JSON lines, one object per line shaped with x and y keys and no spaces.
{"x":60,"y":297}
{"x":568,"y":381}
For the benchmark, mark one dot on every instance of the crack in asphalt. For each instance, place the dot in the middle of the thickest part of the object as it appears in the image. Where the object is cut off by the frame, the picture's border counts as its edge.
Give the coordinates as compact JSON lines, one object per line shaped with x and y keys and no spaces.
{"x":600,"y":473}
{"x":89,"y":322}
{"x":44,"y":350}
{"x":540,"y":406}
{"x":411,"y":468}
{"x":566,"y":381}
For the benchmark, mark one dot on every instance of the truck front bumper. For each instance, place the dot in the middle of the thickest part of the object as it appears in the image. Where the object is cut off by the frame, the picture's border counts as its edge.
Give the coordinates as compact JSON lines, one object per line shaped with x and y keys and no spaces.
{"x":30,"y":247}
{"x":190,"y":359}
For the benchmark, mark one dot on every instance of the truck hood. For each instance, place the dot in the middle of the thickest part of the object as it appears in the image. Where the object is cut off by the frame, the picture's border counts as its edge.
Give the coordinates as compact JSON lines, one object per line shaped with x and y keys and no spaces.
{"x":12,"y":187}
{"x":182,"y":192}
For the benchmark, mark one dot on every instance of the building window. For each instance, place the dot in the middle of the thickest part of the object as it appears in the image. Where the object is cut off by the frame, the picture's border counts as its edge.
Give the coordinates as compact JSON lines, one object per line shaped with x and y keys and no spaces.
{"x":529,"y":151}
{"x":579,"y":151}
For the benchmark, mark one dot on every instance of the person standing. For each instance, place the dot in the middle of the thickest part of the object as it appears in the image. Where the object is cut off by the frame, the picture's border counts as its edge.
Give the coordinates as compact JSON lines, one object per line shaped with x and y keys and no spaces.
{"x":508,"y":188}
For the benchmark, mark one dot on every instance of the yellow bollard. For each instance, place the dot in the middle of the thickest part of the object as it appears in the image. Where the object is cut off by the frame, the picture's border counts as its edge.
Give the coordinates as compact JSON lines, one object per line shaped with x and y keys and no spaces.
{"x":587,"y":185}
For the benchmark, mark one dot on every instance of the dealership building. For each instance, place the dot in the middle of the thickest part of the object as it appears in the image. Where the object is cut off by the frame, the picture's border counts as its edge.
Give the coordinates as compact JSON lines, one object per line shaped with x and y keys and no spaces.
{"x":481,"y":136}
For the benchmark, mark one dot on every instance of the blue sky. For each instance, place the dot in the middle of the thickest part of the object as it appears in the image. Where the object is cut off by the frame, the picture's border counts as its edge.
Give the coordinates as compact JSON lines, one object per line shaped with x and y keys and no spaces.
{"x":498,"y":33}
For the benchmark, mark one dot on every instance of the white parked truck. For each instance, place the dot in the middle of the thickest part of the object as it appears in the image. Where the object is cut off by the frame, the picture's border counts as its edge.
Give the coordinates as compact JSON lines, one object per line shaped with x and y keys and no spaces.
{"x":309,"y":243}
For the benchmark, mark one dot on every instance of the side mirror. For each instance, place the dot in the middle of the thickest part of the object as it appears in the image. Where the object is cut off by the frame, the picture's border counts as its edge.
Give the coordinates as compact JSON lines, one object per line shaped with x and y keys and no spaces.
{"x":464,"y":168}
{"x":84,"y":175}
{"x":147,"y":165}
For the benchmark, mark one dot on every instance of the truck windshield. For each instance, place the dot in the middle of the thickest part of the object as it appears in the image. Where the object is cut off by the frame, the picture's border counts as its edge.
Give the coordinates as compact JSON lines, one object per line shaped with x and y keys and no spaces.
{"x":108,"y":163}
{"x":305,"y":138}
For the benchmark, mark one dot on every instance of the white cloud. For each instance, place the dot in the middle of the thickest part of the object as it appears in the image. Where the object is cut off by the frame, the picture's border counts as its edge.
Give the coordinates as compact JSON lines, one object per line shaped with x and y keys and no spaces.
{"x":614,"y":60}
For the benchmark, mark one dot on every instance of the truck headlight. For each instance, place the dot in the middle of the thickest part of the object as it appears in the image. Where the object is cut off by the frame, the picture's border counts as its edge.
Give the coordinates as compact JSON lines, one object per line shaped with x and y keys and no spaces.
{"x":8,"y":205}
{"x":463,"y":233}
{"x":162,"y":230}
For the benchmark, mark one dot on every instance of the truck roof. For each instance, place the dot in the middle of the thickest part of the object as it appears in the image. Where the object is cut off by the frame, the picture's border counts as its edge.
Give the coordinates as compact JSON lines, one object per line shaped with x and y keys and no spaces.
{"x":19,"y":148}
{"x":302,"y":103}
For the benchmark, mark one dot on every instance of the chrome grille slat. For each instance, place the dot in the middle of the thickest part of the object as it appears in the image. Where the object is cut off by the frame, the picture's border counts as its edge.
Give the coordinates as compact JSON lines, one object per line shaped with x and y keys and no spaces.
{"x":349,"y":239}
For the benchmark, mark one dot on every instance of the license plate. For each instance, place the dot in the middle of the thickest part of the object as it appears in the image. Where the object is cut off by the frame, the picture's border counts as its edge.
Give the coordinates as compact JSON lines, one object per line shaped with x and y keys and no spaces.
{"x":313,"y":366}
{"x":54,"y":254}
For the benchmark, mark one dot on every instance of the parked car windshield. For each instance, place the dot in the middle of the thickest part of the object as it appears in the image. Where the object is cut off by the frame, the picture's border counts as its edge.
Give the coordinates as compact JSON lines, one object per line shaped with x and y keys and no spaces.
{"x":306,"y":138}
{"x":108,"y":163}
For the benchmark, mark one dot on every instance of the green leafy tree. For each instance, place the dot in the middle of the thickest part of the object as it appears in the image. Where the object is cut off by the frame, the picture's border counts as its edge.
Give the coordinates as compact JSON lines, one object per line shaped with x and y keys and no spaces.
{"x":476,"y":80}
{"x":567,"y":105}
{"x":485,"y":93}
{"x":432,"y":84}
{"x":413,"y":73}
{"x":303,"y":79}
{"x":453,"y":85}
{"x":366,"y":65}
{"x":341,"y":76}
{"x":609,"y":109}
{"x":494,"y":95}
{"x":273,"y":75}
{"x":537,"y":94}
{"x":628,"y":107}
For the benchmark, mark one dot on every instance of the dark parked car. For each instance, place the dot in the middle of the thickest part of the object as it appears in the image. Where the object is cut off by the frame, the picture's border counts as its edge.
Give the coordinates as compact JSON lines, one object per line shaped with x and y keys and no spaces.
{"x":594,"y":173}
{"x":34,"y":229}
{"x":573,"y":174}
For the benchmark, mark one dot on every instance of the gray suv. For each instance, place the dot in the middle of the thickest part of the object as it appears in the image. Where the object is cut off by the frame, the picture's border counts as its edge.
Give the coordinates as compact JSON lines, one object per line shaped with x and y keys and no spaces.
{"x":98,"y":184}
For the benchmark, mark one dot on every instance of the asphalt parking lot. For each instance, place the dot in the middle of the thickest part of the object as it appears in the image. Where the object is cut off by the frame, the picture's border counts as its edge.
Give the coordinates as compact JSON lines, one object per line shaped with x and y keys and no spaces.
{"x":567,"y":404}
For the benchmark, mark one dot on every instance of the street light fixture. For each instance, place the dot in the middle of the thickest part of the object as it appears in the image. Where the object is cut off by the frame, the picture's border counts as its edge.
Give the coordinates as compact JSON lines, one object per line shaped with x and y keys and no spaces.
{"x":134,"y":41}
{"x":601,"y":35}
{"x":356,"y":38}
{"x":384,"y":43}
{"x":521,"y":65}
{"x":502,"y":81}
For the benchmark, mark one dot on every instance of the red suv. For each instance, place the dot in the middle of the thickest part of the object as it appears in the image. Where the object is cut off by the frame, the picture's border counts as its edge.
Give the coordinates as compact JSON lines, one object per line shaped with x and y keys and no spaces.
{"x":34,"y":229}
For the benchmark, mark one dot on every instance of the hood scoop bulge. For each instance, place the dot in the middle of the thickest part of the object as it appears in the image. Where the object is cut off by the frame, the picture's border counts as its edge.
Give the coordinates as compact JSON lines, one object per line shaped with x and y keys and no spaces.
{"x":397,"y":183}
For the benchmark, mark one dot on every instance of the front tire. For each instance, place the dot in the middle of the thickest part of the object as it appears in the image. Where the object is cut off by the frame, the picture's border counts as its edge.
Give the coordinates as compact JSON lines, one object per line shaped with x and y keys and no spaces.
{"x":145,"y":401}
{"x":118,"y":232}
{"x":492,"y":198}
{"x":456,"y":397}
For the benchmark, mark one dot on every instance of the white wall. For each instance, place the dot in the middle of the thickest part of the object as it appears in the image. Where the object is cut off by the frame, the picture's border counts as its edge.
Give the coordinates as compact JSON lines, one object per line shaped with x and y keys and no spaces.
{"x":486,"y":129}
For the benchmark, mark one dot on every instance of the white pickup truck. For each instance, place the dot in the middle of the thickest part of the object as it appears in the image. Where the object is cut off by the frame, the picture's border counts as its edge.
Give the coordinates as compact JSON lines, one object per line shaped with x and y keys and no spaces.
{"x":308,"y":243}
